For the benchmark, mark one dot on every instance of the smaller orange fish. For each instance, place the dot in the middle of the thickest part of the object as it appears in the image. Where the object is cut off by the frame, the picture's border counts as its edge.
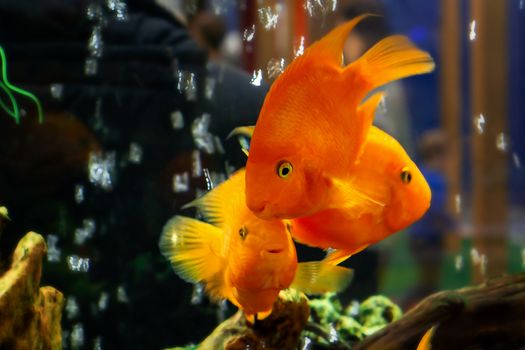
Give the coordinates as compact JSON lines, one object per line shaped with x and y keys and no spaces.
{"x":240,"y":257}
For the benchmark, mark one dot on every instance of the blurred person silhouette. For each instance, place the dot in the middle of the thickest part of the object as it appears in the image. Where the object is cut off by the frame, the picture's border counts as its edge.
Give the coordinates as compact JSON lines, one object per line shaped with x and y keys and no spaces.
{"x":428,"y":236}
{"x":133,"y":116}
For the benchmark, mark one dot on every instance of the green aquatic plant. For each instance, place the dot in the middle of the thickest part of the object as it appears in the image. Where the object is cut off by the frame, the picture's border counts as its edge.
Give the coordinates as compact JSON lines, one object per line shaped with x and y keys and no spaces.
{"x":9,"y":88}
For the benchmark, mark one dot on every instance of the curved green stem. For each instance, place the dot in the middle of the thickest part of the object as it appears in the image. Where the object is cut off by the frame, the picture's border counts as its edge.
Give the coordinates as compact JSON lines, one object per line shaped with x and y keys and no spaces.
{"x":18,"y":90}
{"x":15,"y":112}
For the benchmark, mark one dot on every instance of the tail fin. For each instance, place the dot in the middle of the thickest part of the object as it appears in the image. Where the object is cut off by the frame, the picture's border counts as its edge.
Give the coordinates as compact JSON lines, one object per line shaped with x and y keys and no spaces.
{"x":192,"y":248}
{"x":392,"y":58}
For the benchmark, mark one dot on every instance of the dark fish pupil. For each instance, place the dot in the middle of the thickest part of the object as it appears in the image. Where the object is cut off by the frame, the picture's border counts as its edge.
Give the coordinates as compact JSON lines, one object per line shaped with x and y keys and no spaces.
{"x":285,"y":171}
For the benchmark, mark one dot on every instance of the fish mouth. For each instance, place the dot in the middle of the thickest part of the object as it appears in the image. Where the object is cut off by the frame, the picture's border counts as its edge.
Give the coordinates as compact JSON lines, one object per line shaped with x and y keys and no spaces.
{"x":274,"y":251}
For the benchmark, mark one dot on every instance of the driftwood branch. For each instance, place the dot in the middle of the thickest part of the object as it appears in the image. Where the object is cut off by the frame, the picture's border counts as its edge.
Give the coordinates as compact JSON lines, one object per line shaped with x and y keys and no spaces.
{"x":488,"y":316}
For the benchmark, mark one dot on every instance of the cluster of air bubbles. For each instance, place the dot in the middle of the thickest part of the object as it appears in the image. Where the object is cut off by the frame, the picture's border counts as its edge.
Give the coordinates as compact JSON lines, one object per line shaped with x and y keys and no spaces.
{"x":53,"y":253}
{"x":307,"y":344}
{"x":332,"y":334}
{"x":198,"y":294}
{"x":458,"y":262}
{"x":94,"y":12}
{"x":275,"y":67}
{"x":181,"y":182}
{"x":85,"y":232}
{"x":516,"y":160}
{"x":457,"y":203}
{"x":196,"y":169}
{"x":72,"y":309}
{"x":101,"y":169}
{"x":256,"y":78}
{"x":97,"y":343}
{"x":320,"y":7}
{"x":472,"y":30}
{"x":135,"y":153}
{"x":248,"y":33}
{"x":222,"y":307}
{"x":502,"y":142}
{"x":77,"y":336}
{"x":299,"y":47}
{"x":209,"y":88}
{"x":119,"y":9}
{"x":95,"y":44}
{"x":103,"y":301}
{"x":122,"y":295}
{"x":78,"y":264}
{"x":56,"y":91}
{"x":186,"y":84}
{"x":177,"y":120}
{"x":202,"y":138}
{"x":79,"y":194}
{"x":268,"y":16}
{"x":479,"y":123}
{"x":209,"y":181}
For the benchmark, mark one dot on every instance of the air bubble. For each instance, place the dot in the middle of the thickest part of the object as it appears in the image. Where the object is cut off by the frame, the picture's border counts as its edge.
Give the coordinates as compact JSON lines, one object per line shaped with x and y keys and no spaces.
{"x":268,"y":17}
{"x":53,"y":253}
{"x":479,"y":123}
{"x":320,"y":7}
{"x":135,"y":153}
{"x":209,"y":181}
{"x":85,"y":232}
{"x":332,"y":334}
{"x":91,"y":66}
{"x":101,"y":168}
{"x":119,"y":8}
{"x":501,"y":142}
{"x":103,"y":301}
{"x":307,"y":344}
{"x":177,"y":120}
{"x":181,"y":182}
{"x":57,"y":91}
{"x":196,"y":164}
{"x":475,"y":256}
{"x":202,"y":138}
{"x":122,"y":296}
{"x":77,"y":336}
{"x":516,"y":160}
{"x":79,"y":194}
{"x":71,"y":308}
{"x":299,"y":49}
{"x":94,"y":12}
{"x":186,"y":84}
{"x":78,"y":264}
{"x":472,"y":31}
{"x":198,"y":294}
{"x":256,"y":78}
{"x":95,"y":44}
{"x":249,"y":33}
{"x":275,"y":67}
{"x":458,"y":262}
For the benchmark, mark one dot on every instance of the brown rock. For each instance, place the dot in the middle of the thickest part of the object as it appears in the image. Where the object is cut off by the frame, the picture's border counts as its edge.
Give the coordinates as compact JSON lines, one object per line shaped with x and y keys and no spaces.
{"x":29,"y":316}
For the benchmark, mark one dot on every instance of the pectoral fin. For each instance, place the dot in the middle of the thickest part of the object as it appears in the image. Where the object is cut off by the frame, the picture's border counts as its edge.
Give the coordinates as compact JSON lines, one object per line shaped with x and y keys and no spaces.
{"x":339,"y":255}
{"x":318,"y":277}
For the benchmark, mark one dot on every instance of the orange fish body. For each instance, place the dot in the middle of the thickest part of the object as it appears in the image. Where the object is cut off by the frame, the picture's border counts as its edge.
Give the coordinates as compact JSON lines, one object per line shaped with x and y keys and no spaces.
{"x":238,"y":256}
{"x":313,"y":123}
{"x":395,"y":194}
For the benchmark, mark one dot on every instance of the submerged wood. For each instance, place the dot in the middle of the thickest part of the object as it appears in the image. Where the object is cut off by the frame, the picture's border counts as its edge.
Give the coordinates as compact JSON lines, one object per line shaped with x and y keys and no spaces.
{"x":488,"y":316}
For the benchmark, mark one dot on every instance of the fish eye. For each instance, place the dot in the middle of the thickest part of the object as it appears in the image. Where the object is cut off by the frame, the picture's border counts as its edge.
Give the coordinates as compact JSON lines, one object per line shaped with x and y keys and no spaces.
{"x":243,"y":232}
{"x":284,"y":169}
{"x":406,"y":175}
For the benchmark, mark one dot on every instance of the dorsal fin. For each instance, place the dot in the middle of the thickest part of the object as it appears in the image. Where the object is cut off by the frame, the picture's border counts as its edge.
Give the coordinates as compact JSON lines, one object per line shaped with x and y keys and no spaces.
{"x":366,"y":113}
{"x":218,"y":204}
{"x":392,"y":58}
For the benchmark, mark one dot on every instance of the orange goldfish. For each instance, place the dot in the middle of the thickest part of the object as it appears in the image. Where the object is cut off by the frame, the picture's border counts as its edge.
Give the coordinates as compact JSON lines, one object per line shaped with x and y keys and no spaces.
{"x":240,"y":257}
{"x":393,"y":194}
{"x":311,"y":130}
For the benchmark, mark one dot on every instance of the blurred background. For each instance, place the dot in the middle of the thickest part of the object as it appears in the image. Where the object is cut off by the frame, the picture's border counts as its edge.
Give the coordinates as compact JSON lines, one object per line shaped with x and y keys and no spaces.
{"x":139,"y":96}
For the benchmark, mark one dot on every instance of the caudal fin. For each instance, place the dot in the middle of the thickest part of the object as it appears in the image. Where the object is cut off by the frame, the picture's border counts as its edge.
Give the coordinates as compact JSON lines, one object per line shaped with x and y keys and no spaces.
{"x":192,"y":248}
{"x":392,"y":58}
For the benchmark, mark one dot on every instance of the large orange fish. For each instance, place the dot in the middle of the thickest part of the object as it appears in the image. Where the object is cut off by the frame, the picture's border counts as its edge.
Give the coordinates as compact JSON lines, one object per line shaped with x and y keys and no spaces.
{"x":311,"y":129}
{"x":392,"y":195}
{"x":241,"y":257}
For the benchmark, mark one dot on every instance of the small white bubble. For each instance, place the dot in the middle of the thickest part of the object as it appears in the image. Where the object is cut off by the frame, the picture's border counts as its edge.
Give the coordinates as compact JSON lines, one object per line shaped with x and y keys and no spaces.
{"x":198,"y":294}
{"x":53,"y":253}
{"x":91,"y":66}
{"x":299,"y":49}
{"x":57,"y":91}
{"x":202,"y":138}
{"x":353,"y":310}
{"x":256,"y":78}
{"x":71,"y":308}
{"x":135,"y":153}
{"x":77,"y":336}
{"x":474,"y":256}
{"x":85,"y":232}
{"x":457,"y":203}
{"x":479,"y":123}
{"x":472,"y":31}
{"x":181,"y":182}
{"x":209,"y":88}
{"x":275,"y":67}
{"x":196,"y":169}
{"x":101,"y":168}
{"x":516,"y":160}
{"x":122,"y":296}
{"x":177,"y":120}
{"x":268,"y":17}
{"x":249,"y":33}
{"x":501,"y":142}
{"x":95,"y":44}
{"x":78,"y":264}
{"x":458,"y":262}
{"x":97,"y":343}
{"x":103,"y":301}
{"x":79,"y":194}
{"x":332,"y":334}
{"x":94,"y":12}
